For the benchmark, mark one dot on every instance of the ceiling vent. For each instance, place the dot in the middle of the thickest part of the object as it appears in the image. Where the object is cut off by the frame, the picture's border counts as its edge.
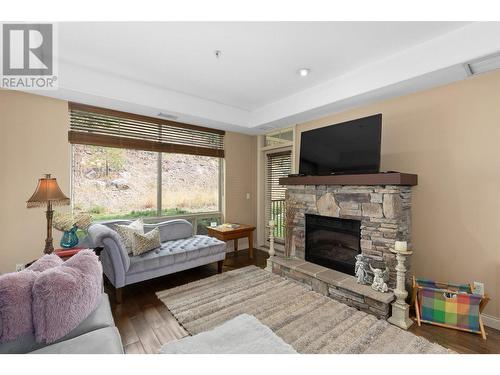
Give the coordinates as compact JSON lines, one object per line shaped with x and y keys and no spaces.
{"x":168,"y":116}
{"x":483,"y":65}
{"x":265,"y":127}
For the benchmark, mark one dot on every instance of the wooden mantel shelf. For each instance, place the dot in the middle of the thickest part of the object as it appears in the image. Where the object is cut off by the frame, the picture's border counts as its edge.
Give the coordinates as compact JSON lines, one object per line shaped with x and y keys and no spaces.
{"x":389,"y":178}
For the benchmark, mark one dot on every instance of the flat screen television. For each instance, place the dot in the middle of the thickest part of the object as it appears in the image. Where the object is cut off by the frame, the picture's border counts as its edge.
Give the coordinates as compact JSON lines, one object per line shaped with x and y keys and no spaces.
{"x":347,"y":148}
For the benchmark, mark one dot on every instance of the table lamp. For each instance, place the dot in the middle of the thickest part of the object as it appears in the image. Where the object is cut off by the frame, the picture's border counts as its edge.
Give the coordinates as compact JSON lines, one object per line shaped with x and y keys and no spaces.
{"x":48,"y":193}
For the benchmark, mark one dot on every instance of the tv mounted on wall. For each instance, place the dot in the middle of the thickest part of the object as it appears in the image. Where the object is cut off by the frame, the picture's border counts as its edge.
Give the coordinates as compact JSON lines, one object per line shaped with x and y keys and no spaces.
{"x":347,"y":148}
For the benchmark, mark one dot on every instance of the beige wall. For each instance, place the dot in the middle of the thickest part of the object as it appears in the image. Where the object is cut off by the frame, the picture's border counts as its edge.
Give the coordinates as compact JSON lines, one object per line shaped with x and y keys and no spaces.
{"x":450,"y":137}
{"x":240,"y":179}
{"x":33,"y":141}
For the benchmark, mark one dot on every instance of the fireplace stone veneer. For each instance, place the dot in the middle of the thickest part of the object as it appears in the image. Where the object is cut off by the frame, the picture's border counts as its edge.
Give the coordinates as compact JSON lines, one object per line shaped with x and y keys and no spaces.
{"x":384,"y":212}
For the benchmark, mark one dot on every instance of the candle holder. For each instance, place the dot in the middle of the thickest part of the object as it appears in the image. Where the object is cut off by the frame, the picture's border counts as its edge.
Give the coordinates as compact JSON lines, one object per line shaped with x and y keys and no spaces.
{"x":272,"y":253}
{"x":400,"y":309}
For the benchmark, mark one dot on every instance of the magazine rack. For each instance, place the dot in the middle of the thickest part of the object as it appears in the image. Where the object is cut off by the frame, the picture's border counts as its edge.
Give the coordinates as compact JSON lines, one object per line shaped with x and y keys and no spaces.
{"x":449,"y":305}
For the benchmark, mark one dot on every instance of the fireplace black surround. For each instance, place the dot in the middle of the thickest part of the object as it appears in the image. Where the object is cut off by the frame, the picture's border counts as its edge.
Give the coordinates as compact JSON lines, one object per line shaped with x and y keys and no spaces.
{"x":332,"y":242}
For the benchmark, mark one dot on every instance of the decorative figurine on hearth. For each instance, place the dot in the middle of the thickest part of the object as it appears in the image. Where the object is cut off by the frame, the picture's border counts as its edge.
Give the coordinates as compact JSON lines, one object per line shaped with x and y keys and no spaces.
{"x":380,"y":279}
{"x":360,"y":269}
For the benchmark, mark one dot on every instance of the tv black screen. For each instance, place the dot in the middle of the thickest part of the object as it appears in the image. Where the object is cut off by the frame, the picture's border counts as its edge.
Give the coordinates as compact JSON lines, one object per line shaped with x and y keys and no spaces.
{"x":349,"y":147}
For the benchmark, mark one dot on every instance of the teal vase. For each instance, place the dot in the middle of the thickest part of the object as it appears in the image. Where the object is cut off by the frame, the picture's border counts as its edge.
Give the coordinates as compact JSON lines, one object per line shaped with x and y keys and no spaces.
{"x":69,"y":238}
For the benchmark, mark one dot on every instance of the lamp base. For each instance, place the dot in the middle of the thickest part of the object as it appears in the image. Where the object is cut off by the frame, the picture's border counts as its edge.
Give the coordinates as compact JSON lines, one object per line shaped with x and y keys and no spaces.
{"x":49,"y":247}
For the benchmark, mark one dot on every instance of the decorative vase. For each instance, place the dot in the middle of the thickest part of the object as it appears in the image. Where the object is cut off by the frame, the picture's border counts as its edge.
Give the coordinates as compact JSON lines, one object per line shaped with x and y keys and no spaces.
{"x":69,"y":238}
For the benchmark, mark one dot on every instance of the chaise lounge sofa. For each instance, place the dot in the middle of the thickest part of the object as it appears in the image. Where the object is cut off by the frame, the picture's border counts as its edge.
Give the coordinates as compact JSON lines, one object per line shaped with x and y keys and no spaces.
{"x":180,"y":250}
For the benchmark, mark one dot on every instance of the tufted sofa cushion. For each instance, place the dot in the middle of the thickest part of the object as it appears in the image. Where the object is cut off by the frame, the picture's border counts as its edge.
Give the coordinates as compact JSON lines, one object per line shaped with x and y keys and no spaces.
{"x":175,"y":252}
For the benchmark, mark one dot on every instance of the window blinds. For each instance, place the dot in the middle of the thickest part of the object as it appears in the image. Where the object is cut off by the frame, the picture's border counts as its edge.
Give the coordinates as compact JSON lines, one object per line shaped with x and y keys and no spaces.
{"x":104,"y":127}
{"x":278,"y":165}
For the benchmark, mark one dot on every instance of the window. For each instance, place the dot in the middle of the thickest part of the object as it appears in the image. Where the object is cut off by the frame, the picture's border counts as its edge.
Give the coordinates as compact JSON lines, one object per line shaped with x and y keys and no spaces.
{"x":114,"y":182}
{"x":190,"y":183}
{"x":136,"y":178}
{"x":282,"y":137}
{"x":279,"y":164}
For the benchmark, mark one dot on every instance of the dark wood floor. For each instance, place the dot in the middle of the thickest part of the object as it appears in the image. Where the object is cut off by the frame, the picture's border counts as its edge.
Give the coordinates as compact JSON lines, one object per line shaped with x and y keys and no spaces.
{"x":145,"y":323}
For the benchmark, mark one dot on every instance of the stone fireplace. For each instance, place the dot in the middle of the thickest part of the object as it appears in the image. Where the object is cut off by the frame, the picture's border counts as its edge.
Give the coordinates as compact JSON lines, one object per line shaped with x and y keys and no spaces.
{"x":336,"y":218}
{"x":383,"y":213}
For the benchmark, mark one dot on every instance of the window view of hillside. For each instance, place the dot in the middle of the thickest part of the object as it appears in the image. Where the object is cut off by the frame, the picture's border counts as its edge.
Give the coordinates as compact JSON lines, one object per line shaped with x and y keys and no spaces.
{"x":190,"y":182}
{"x":119,"y":183}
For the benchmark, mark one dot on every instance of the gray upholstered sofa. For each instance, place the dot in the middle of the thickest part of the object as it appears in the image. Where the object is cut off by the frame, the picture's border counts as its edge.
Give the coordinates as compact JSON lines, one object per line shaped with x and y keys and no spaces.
{"x":179,"y":250}
{"x":97,"y":334}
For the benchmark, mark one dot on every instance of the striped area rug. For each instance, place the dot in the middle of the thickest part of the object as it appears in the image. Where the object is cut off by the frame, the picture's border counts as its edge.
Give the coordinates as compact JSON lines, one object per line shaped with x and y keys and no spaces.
{"x":310,"y":322}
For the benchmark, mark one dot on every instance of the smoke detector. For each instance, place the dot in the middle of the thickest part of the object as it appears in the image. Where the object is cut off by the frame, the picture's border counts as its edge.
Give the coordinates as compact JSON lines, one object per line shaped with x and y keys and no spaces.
{"x":218,"y":54}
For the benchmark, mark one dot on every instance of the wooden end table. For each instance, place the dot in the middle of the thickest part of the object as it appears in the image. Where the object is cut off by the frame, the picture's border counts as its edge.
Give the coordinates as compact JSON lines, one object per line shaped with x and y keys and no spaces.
{"x":226,"y":234}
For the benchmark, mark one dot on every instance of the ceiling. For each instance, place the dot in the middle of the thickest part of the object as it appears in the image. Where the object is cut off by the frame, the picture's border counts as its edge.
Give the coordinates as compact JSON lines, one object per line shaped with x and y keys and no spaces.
{"x":171,"y":67}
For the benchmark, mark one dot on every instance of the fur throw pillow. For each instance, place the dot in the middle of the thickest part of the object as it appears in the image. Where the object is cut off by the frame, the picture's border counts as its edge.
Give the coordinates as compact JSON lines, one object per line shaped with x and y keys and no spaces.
{"x":15,"y":298}
{"x":66,"y":295}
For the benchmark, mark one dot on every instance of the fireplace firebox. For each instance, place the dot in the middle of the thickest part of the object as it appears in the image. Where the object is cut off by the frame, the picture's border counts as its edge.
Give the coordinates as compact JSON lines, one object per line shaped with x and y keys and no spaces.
{"x":332,"y":242}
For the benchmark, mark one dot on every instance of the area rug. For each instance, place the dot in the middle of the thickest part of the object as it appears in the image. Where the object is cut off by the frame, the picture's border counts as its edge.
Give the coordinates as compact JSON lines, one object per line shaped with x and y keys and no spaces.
{"x":308,"y":321}
{"x":241,"y":335}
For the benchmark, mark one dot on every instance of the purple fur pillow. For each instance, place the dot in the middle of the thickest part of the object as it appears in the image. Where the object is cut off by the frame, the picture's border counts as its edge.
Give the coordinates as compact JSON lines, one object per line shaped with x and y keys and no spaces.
{"x":15,"y":304}
{"x":64,"y":296}
{"x":15,"y":298}
{"x":46,"y":262}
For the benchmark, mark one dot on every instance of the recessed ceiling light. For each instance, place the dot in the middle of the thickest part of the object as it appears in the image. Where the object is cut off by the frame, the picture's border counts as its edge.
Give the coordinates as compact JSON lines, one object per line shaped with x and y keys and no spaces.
{"x":304,"y":72}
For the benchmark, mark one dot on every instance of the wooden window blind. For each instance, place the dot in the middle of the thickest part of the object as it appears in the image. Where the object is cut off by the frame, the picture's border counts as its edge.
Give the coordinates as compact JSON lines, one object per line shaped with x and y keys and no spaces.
{"x":278,"y":165}
{"x":104,"y":127}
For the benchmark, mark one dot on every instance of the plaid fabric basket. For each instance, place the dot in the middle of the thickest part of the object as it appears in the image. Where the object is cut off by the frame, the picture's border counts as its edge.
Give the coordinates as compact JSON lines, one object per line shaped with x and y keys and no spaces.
{"x":449,"y":304}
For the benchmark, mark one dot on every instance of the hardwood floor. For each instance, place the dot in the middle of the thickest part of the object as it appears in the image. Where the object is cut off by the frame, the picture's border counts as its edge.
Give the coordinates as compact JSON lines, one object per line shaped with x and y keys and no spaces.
{"x":145,"y":323}
{"x":461,"y":342}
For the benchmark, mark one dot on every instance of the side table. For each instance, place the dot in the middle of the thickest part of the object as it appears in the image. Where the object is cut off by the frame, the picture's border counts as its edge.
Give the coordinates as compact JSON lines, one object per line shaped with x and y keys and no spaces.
{"x":226,"y":234}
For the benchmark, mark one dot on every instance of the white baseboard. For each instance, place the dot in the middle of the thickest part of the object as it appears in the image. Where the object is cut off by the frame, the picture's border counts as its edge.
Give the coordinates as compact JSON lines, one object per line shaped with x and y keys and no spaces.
{"x":491,"y":321}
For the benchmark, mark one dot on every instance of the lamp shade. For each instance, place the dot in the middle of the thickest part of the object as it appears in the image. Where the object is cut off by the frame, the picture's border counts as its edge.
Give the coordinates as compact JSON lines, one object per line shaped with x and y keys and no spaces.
{"x":47,"y":191}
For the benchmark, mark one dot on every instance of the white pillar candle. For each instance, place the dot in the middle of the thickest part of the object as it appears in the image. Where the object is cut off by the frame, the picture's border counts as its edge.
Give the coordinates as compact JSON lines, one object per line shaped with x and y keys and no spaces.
{"x":401,"y":246}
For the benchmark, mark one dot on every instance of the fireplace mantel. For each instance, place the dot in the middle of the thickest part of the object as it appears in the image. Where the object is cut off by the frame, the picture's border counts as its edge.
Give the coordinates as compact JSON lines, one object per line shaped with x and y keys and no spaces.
{"x":371,"y":179}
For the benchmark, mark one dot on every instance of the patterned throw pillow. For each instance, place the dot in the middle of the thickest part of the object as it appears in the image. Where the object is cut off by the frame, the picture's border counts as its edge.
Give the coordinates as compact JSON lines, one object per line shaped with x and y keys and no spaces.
{"x":143,"y":243}
{"x":126,"y":233}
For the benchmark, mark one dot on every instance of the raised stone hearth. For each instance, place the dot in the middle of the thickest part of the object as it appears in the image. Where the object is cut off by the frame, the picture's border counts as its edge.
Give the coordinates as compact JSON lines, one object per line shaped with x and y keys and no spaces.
{"x":383,"y":210}
{"x":334,"y":284}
